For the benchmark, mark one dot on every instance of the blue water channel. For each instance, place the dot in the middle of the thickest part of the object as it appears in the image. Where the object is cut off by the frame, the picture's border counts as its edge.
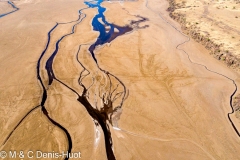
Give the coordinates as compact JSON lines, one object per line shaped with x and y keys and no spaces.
{"x":105,"y":35}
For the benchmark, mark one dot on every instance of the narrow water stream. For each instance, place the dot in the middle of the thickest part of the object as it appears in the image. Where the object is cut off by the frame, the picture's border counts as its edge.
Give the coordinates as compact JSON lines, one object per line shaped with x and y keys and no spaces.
{"x":101,"y":117}
{"x":13,"y":6}
{"x":105,"y":35}
{"x":186,"y":41}
{"x":98,"y":116}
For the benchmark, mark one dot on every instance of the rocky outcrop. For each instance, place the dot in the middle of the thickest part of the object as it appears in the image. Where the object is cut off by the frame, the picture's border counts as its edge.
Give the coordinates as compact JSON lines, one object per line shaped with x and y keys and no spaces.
{"x":236,"y":106}
{"x":216,"y":49}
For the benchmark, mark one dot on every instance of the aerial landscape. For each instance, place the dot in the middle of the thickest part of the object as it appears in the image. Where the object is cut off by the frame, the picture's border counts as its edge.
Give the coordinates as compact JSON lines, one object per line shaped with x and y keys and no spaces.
{"x":120,"y":79}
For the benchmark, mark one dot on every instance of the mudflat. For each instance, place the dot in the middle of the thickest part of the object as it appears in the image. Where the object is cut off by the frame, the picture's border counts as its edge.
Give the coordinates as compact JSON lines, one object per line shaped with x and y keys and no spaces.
{"x":112,"y":80}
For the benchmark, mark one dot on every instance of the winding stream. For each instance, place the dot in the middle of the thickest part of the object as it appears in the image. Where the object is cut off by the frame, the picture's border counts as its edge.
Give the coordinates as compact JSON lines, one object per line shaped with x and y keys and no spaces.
{"x":107,"y":33}
{"x":101,"y":117}
{"x":13,"y":6}
{"x":188,"y":39}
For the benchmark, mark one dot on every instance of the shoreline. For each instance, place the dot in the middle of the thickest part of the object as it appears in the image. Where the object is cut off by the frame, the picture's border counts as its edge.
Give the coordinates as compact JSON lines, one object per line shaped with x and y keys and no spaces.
{"x":217,"y":49}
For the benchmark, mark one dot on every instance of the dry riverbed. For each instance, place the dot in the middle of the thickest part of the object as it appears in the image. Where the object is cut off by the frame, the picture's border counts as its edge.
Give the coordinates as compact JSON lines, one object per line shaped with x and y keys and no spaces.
{"x":147,"y":94}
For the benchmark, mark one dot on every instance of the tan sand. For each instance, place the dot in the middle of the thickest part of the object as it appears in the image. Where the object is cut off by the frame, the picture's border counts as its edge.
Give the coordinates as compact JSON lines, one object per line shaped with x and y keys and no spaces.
{"x":215,"y":24}
{"x":5,"y":7}
{"x":174,"y":108}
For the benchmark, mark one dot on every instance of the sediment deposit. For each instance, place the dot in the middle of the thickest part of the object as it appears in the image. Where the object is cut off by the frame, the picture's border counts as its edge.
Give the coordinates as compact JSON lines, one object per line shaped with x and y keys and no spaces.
{"x":112,"y":80}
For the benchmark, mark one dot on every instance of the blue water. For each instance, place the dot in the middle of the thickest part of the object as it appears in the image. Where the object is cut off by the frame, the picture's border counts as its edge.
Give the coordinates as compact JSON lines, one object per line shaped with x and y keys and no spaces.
{"x":105,"y":36}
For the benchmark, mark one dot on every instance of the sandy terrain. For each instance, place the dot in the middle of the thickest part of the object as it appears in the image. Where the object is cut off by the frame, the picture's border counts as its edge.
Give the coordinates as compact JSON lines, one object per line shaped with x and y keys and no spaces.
{"x":5,"y":7}
{"x":214,"y":23}
{"x":151,"y":94}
